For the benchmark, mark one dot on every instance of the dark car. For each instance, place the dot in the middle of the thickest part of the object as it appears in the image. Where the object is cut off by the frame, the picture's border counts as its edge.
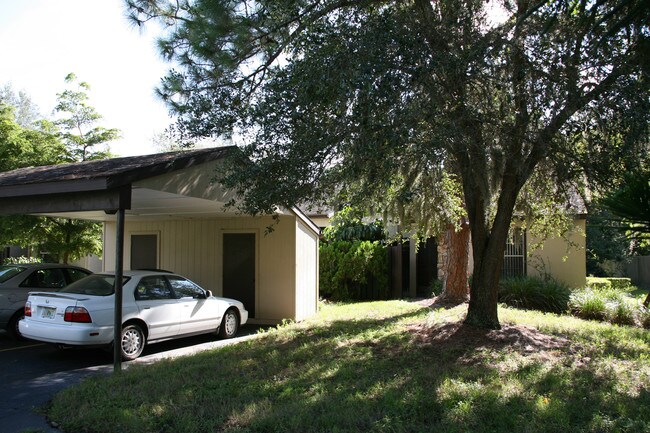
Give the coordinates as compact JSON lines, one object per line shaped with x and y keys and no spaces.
{"x":16,"y":281}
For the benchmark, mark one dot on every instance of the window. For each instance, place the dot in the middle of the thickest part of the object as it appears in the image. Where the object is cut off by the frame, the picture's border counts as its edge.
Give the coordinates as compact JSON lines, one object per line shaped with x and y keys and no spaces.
{"x":7,"y":272}
{"x":151,"y":288}
{"x":45,"y":279}
{"x":96,"y":285}
{"x":185,"y":288}
{"x":514,"y":259}
{"x":76,"y":274}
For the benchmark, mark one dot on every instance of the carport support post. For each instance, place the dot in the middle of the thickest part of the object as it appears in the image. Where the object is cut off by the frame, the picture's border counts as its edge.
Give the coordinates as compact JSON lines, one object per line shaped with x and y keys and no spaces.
{"x":119,"y":270}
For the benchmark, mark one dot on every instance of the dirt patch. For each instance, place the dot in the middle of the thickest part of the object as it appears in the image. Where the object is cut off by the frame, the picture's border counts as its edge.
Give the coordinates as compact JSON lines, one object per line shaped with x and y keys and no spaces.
{"x":435,"y":302}
{"x":456,"y":334}
{"x":465,"y":342}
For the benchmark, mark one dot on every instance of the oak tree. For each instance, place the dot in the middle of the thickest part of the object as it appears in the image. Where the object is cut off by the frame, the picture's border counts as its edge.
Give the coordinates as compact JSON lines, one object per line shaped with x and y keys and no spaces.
{"x":362,"y":97}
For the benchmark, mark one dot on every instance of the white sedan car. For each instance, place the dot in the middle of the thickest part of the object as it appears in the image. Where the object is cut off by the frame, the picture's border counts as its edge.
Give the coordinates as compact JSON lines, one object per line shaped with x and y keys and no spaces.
{"x":156,"y":306}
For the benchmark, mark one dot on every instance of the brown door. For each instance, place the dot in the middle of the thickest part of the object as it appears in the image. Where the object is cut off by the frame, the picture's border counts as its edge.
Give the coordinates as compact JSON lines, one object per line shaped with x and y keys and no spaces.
{"x":239,"y":269}
{"x":144,"y":251}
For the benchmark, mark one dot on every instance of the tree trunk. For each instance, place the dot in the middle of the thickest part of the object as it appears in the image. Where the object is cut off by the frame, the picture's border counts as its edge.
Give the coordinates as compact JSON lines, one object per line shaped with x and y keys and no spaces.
{"x":482,"y":310}
{"x":488,"y":244}
{"x":455,"y":262}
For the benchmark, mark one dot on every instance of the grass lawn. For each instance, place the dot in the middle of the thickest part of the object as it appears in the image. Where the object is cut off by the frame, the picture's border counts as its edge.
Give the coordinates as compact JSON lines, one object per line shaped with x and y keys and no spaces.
{"x":390,"y":366}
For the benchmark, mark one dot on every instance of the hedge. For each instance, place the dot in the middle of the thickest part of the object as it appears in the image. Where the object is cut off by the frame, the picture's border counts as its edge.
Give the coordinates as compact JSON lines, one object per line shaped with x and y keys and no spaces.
{"x":608,"y":283}
{"x":348,"y":268}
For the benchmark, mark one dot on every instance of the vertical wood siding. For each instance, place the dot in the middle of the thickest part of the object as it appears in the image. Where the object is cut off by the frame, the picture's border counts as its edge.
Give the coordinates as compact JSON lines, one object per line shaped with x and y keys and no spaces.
{"x":194,"y":248}
{"x":306,"y":271}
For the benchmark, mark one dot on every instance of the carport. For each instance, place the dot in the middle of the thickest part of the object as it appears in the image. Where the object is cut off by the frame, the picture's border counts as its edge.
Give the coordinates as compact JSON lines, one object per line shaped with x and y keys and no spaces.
{"x":171,"y":194}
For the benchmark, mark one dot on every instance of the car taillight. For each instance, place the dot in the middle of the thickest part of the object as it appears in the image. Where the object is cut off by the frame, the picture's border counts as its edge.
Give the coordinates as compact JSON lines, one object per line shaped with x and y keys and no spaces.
{"x":77,"y":314}
{"x":28,"y":309}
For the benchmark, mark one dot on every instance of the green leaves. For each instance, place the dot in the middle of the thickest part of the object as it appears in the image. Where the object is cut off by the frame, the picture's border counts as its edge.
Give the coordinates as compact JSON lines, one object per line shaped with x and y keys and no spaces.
{"x":348,"y":225}
{"x":350,"y":269}
{"x":399,"y":106}
{"x":630,"y":204}
{"x":70,"y":139}
{"x":23,"y":147}
{"x":78,"y":124}
{"x":64,"y":239}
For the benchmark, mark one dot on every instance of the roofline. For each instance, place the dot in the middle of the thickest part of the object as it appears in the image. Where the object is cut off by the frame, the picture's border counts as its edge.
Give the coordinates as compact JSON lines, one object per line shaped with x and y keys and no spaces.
{"x":306,"y":220}
{"x":165,"y":167}
{"x":113,"y":180}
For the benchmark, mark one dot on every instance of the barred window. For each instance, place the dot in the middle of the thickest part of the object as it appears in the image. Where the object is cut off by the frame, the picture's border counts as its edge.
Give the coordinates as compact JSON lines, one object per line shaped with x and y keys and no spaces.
{"x":514,"y":259}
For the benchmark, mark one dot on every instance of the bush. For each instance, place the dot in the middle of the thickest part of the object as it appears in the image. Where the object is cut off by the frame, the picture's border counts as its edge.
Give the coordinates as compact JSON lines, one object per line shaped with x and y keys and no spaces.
{"x":622,"y":312}
{"x":644,"y":317}
{"x":613,"y":305}
{"x":609,"y":283}
{"x":534,"y":294}
{"x":350,"y":268}
{"x":624,"y":284}
{"x":588,"y":304}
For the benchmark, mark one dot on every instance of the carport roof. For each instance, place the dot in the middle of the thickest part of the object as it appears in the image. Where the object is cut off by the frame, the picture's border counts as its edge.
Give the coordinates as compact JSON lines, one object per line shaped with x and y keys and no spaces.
{"x":91,"y":186}
{"x":94,"y":190}
{"x":103,"y":173}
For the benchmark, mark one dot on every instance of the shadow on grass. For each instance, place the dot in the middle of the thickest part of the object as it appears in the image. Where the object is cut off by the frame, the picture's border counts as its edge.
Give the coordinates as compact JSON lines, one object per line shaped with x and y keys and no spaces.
{"x":370,"y":375}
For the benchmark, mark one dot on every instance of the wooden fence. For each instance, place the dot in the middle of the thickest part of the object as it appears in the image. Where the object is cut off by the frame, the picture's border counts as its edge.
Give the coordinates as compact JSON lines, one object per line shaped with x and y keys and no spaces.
{"x":639,"y":271}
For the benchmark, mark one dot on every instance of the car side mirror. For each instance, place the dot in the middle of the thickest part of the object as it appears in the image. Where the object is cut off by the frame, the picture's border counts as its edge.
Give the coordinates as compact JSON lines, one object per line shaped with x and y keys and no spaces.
{"x":208,"y":293}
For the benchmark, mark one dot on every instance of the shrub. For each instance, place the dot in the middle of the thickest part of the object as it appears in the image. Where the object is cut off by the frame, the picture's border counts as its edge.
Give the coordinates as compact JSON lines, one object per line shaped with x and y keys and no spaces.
{"x":608,"y":283}
{"x":622,"y":312}
{"x":613,"y":305}
{"x":588,"y":304}
{"x":624,"y":284}
{"x":597,"y":283}
{"x":644,"y":317}
{"x":349,"y":268}
{"x":534,"y":294}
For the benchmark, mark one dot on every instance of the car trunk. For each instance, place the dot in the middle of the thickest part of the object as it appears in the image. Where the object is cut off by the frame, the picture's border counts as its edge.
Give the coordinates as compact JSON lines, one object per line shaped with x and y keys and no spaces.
{"x":50,"y":307}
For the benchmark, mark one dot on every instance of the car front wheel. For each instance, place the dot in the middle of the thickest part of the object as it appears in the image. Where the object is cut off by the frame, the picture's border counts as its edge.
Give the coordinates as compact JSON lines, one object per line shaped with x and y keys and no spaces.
{"x":229,"y":324}
{"x":13,"y":329}
{"x":133,"y":341}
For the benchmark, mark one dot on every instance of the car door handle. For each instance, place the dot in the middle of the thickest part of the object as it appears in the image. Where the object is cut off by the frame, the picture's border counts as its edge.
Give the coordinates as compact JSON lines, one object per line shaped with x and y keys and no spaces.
{"x":146,"y":307}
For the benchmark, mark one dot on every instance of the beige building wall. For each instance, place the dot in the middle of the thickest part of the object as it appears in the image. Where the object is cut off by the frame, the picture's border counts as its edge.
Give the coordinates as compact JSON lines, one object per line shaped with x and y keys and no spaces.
{"x":92,"y":263}
{"x":193,"y":248}
{"x":566,"y":263}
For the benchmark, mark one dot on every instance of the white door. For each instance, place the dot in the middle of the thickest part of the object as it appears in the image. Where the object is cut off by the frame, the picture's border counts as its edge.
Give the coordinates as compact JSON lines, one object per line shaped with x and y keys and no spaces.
{"x":158,"y":307}
{"x":198,"y":313}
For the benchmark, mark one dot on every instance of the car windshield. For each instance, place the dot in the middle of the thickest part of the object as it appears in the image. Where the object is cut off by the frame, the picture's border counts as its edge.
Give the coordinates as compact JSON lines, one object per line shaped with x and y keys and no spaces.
{"x":7,"y":272}
{"x":97,"y":285}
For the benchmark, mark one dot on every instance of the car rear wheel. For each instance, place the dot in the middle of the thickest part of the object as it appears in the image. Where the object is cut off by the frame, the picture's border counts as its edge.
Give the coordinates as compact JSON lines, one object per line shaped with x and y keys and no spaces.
{"x":229,"y":324}
{"x":14,"y":332}
{"x":133,"y":341}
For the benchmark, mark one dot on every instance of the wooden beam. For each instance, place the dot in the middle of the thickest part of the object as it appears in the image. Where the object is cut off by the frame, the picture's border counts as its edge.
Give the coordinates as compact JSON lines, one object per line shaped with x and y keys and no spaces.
{"x":119,"y":271}
{"x":111,"y":200}
{"x":62,"y":186}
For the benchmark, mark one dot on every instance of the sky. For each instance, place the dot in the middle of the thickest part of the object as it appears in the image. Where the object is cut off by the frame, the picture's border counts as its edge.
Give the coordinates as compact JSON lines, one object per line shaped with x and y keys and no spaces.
{"x":44,"y":40}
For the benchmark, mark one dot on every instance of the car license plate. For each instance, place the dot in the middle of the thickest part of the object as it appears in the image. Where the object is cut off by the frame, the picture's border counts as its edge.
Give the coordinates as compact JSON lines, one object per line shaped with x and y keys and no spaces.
{"x":48,"y":313}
